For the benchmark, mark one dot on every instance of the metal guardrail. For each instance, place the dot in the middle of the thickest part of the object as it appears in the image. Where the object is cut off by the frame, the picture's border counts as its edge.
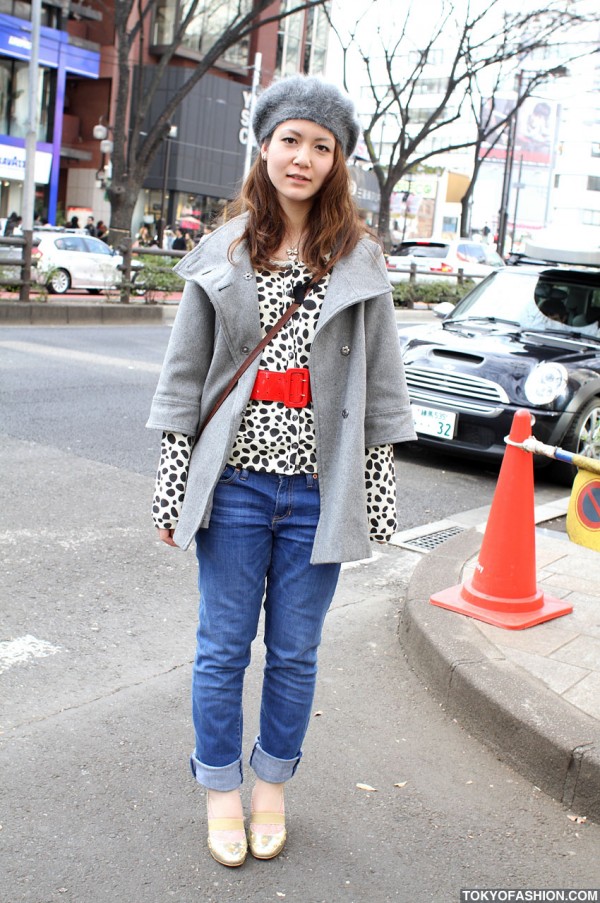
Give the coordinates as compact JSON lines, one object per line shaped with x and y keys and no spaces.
{"x":21,"y":260}
{"x":413,"y":271}
{"x":19,"y":263}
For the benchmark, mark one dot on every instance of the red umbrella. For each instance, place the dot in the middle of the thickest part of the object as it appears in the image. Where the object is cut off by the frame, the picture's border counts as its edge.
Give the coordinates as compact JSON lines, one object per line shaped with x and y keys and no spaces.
{"x":190,"y":222}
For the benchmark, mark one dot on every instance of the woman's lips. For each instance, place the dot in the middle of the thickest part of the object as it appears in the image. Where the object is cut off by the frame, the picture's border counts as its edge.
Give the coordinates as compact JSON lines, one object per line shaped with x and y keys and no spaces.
{"x":297,"y":178}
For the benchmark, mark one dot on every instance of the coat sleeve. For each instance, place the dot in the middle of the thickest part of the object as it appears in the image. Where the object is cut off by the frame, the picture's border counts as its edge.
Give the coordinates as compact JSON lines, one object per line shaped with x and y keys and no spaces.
{"x":388,"y":416}
{"x":176,"y":403}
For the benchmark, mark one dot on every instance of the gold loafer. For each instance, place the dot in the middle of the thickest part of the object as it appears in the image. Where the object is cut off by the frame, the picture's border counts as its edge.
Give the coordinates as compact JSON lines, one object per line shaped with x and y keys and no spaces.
{"x":223,"y":848}
{"x":263,"y":845}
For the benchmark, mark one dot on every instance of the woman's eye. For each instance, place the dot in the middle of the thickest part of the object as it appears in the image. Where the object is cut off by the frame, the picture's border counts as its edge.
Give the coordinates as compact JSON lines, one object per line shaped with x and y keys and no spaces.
{"x":323,"y":147}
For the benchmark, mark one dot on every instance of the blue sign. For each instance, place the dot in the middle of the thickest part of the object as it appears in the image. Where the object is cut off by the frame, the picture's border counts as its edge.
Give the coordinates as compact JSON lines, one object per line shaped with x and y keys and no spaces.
{"x":55,"y":50}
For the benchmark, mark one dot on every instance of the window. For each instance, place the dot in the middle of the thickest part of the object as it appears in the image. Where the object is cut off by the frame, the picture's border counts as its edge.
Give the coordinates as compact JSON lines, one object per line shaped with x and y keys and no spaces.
{"x":596,"y":149}
{"x":590,"y":217}
{"x":289,"y":42}
{"x":430,"y":86}
{"x":433,"y":57}
{"x":14,"y":102}
{"x":593,"y":183}
{"x":315,"y":46}
{"x":209,"y":21}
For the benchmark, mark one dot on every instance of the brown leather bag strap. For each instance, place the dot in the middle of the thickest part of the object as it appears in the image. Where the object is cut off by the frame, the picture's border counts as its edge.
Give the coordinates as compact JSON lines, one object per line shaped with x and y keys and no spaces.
{"x":300,"y":291}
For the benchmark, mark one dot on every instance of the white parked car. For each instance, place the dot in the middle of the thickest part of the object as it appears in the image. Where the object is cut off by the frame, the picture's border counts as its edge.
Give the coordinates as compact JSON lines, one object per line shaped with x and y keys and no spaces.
{"x":68,"y":259}
{"x":434,"y":258}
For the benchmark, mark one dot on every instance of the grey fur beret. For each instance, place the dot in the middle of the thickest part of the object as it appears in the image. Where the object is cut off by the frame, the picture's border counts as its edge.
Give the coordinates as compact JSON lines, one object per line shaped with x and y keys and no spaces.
{"x":307,"y":97}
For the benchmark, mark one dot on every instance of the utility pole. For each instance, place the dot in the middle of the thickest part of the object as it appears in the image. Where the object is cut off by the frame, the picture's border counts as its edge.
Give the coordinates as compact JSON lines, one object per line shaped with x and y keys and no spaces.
{"x":30,"y":149}
{"x":255,"y":83}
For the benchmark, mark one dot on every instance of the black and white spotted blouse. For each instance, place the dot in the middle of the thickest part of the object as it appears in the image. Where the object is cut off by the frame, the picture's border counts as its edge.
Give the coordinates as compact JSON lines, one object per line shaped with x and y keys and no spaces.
{"x":273,"y":438}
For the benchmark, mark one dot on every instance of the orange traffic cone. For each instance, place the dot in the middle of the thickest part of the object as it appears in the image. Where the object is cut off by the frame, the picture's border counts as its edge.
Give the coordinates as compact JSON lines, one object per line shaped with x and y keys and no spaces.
{"x":503,"y":590}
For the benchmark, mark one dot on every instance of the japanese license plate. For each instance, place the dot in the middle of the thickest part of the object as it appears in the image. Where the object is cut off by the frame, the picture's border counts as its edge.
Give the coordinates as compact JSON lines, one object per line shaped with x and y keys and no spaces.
{"x":431,"y":422}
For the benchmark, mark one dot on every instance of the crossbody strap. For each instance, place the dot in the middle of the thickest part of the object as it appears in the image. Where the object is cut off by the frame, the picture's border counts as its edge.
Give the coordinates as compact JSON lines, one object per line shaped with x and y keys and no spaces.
{"x":300,"y":291}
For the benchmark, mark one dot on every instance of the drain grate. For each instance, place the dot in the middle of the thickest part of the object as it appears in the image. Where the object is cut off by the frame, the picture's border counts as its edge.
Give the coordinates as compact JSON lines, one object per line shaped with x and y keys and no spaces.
{"x":430,"y":541}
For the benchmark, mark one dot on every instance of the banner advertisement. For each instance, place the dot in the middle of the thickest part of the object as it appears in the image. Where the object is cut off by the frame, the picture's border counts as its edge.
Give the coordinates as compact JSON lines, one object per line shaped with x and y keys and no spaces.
{"x":535,"y":129}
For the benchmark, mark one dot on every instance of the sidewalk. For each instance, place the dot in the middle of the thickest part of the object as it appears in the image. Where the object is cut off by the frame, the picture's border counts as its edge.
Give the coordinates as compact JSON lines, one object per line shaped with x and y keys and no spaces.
{"x":85,"y":310}
{"x":82,"y":309}
{"x":532,"y":695}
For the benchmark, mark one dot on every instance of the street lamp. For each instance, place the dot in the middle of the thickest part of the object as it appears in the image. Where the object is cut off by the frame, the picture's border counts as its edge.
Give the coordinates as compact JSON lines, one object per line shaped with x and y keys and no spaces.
{"x":100,"y":133}
{"x":171,"y":134}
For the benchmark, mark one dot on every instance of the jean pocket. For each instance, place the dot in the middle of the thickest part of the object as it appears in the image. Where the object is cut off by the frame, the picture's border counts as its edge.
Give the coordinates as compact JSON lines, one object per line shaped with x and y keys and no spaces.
{"x":229,"y":475}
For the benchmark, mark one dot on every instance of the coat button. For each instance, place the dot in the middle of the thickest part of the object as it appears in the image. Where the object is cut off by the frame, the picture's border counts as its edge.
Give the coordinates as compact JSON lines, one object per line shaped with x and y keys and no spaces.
{"x":248,"y":275}
{"x":245,"y":349}
{"x":345,"y":350}
{"x":345,"y":413}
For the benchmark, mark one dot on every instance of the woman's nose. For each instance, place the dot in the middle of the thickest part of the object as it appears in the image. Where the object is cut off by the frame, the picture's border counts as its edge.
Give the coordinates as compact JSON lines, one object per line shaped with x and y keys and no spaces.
{"x":302,"y":156}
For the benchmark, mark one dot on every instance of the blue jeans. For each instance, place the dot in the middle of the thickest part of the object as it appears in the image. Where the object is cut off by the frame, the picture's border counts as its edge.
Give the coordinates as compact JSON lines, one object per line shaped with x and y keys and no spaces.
{"x":257,"y":547}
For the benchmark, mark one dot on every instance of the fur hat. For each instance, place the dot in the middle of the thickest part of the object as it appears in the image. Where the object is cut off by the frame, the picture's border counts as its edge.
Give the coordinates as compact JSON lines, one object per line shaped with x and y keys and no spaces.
{"x":307,"y":97}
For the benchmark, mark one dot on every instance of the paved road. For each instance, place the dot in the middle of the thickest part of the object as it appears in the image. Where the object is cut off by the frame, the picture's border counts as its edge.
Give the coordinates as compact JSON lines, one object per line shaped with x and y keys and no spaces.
{"x":97,"y":802}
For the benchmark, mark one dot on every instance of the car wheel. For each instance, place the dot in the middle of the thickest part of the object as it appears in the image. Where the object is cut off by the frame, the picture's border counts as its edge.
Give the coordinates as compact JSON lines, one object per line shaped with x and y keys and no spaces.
{"x":60,"y":282}
{"x":582,"y":438}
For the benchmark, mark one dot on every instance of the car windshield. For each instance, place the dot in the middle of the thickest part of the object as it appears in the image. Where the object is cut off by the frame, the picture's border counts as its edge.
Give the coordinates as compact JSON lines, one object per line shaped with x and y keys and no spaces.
{"x":422,"y":250}
{"x":549,"y":301}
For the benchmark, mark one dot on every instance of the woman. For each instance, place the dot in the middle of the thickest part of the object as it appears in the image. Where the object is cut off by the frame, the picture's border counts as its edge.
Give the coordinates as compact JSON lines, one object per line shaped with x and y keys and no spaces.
{"x":284,"y":483}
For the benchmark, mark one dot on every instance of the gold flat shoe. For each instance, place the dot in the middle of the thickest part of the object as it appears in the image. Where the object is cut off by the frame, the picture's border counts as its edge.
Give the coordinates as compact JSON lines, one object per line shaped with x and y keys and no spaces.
{"x":266,"y":846}
{"x":225,"y":849}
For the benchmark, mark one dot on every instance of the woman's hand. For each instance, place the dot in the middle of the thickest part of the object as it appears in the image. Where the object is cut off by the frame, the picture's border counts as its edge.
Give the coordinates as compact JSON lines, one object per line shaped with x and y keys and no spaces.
{"x":166,"y":536}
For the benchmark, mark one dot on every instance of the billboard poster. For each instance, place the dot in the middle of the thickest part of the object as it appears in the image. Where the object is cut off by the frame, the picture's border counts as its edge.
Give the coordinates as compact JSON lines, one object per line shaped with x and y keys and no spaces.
{"x":535,"y":129}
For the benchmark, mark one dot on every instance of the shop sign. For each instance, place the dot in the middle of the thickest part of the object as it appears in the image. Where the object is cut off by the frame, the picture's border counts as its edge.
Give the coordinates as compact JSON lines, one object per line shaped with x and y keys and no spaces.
{"x":244,"y":132}
{"x":12,"y":164}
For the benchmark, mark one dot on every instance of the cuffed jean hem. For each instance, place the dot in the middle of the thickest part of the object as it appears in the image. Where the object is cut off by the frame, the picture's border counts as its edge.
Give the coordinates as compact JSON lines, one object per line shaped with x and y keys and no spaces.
{"x":227,"y":777}
{"x":270,"y":769}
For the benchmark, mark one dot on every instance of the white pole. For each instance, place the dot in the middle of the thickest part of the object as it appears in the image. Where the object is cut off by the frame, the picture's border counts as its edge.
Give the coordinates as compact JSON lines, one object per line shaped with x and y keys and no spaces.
{"x":255,"y":84}
{"x":32,"y":123}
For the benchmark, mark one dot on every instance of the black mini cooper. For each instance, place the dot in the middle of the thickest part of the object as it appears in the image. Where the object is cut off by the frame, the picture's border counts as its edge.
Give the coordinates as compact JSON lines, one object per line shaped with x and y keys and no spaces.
{"x":528,"y":336}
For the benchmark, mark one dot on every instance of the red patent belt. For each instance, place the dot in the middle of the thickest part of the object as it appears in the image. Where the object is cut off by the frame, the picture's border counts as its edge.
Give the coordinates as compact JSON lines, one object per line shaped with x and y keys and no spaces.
{"x":292,"y":387}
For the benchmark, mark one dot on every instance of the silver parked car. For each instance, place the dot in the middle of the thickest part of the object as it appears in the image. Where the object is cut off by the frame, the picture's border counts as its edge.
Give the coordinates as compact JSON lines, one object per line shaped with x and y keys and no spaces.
{"x":68,"y":259}
{"x":436,"y":258}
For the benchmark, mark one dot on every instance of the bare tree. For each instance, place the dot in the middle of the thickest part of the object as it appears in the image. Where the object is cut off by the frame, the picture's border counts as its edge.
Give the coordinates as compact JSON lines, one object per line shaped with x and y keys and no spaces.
{"x":486,"y":40}
{"x":136,"y":140}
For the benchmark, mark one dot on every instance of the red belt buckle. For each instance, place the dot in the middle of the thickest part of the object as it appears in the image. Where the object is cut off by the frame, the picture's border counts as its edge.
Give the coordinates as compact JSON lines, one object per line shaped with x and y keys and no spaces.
{"x":296,"y":388}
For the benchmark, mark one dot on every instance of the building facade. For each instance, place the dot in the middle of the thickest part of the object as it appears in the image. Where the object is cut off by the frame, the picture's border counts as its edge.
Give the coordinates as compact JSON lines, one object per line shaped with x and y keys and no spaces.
{"x":63,"y":57}
{"x":201,"y":165}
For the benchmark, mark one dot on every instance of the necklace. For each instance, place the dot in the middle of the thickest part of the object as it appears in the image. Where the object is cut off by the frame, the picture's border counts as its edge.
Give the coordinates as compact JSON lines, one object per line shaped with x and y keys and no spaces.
{"x":292,"y":253}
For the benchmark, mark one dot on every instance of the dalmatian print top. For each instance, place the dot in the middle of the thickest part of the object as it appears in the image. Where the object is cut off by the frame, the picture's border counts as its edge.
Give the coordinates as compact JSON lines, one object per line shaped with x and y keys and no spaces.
{"x":273,"y":438}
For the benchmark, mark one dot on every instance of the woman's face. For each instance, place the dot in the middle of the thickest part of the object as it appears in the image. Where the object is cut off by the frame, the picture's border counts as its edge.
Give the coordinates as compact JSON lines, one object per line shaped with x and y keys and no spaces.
{"x":299,"y":160}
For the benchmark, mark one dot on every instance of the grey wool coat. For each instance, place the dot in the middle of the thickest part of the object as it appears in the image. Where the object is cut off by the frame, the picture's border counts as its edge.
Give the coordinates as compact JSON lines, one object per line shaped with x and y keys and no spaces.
{"x":357,"y":379}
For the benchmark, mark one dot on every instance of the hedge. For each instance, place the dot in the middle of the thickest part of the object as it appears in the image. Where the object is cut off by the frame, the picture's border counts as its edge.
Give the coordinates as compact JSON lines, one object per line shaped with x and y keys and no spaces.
{"x":407,"y":294}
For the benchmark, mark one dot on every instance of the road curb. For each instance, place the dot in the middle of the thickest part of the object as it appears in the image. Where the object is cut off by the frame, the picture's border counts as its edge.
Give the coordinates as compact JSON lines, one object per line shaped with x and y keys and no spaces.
{"x":526,"y":725}
{"x":25,"y":313}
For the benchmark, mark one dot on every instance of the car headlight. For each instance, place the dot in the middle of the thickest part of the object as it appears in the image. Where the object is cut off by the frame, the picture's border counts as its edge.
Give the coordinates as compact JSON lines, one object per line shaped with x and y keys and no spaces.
{"x":545,"y":383}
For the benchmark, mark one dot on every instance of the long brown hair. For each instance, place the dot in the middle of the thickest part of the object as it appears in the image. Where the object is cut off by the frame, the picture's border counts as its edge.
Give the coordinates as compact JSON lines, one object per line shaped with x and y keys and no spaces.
{"x":333,"y":228}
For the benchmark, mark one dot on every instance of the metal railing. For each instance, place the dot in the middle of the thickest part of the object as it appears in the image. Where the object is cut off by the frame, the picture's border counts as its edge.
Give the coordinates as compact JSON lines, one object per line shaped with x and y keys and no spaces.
{"x":460,"y":275}
{"x":20,"y":260}
{"x":16,"y":264}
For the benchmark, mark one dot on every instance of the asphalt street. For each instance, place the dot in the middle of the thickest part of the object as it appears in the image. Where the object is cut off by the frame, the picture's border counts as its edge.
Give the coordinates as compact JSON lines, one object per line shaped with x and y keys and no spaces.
{"x":97,"y":802}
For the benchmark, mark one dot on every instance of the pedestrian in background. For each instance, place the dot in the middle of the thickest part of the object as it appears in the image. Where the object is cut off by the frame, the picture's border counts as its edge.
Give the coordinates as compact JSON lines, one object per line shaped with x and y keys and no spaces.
{"x":12,"y":223}
{"x":179,"y":241}
{"x":144,"y":238}
{"x":101,"y":230}
{"x":90,"y":227}
{"x":295,"y":471}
